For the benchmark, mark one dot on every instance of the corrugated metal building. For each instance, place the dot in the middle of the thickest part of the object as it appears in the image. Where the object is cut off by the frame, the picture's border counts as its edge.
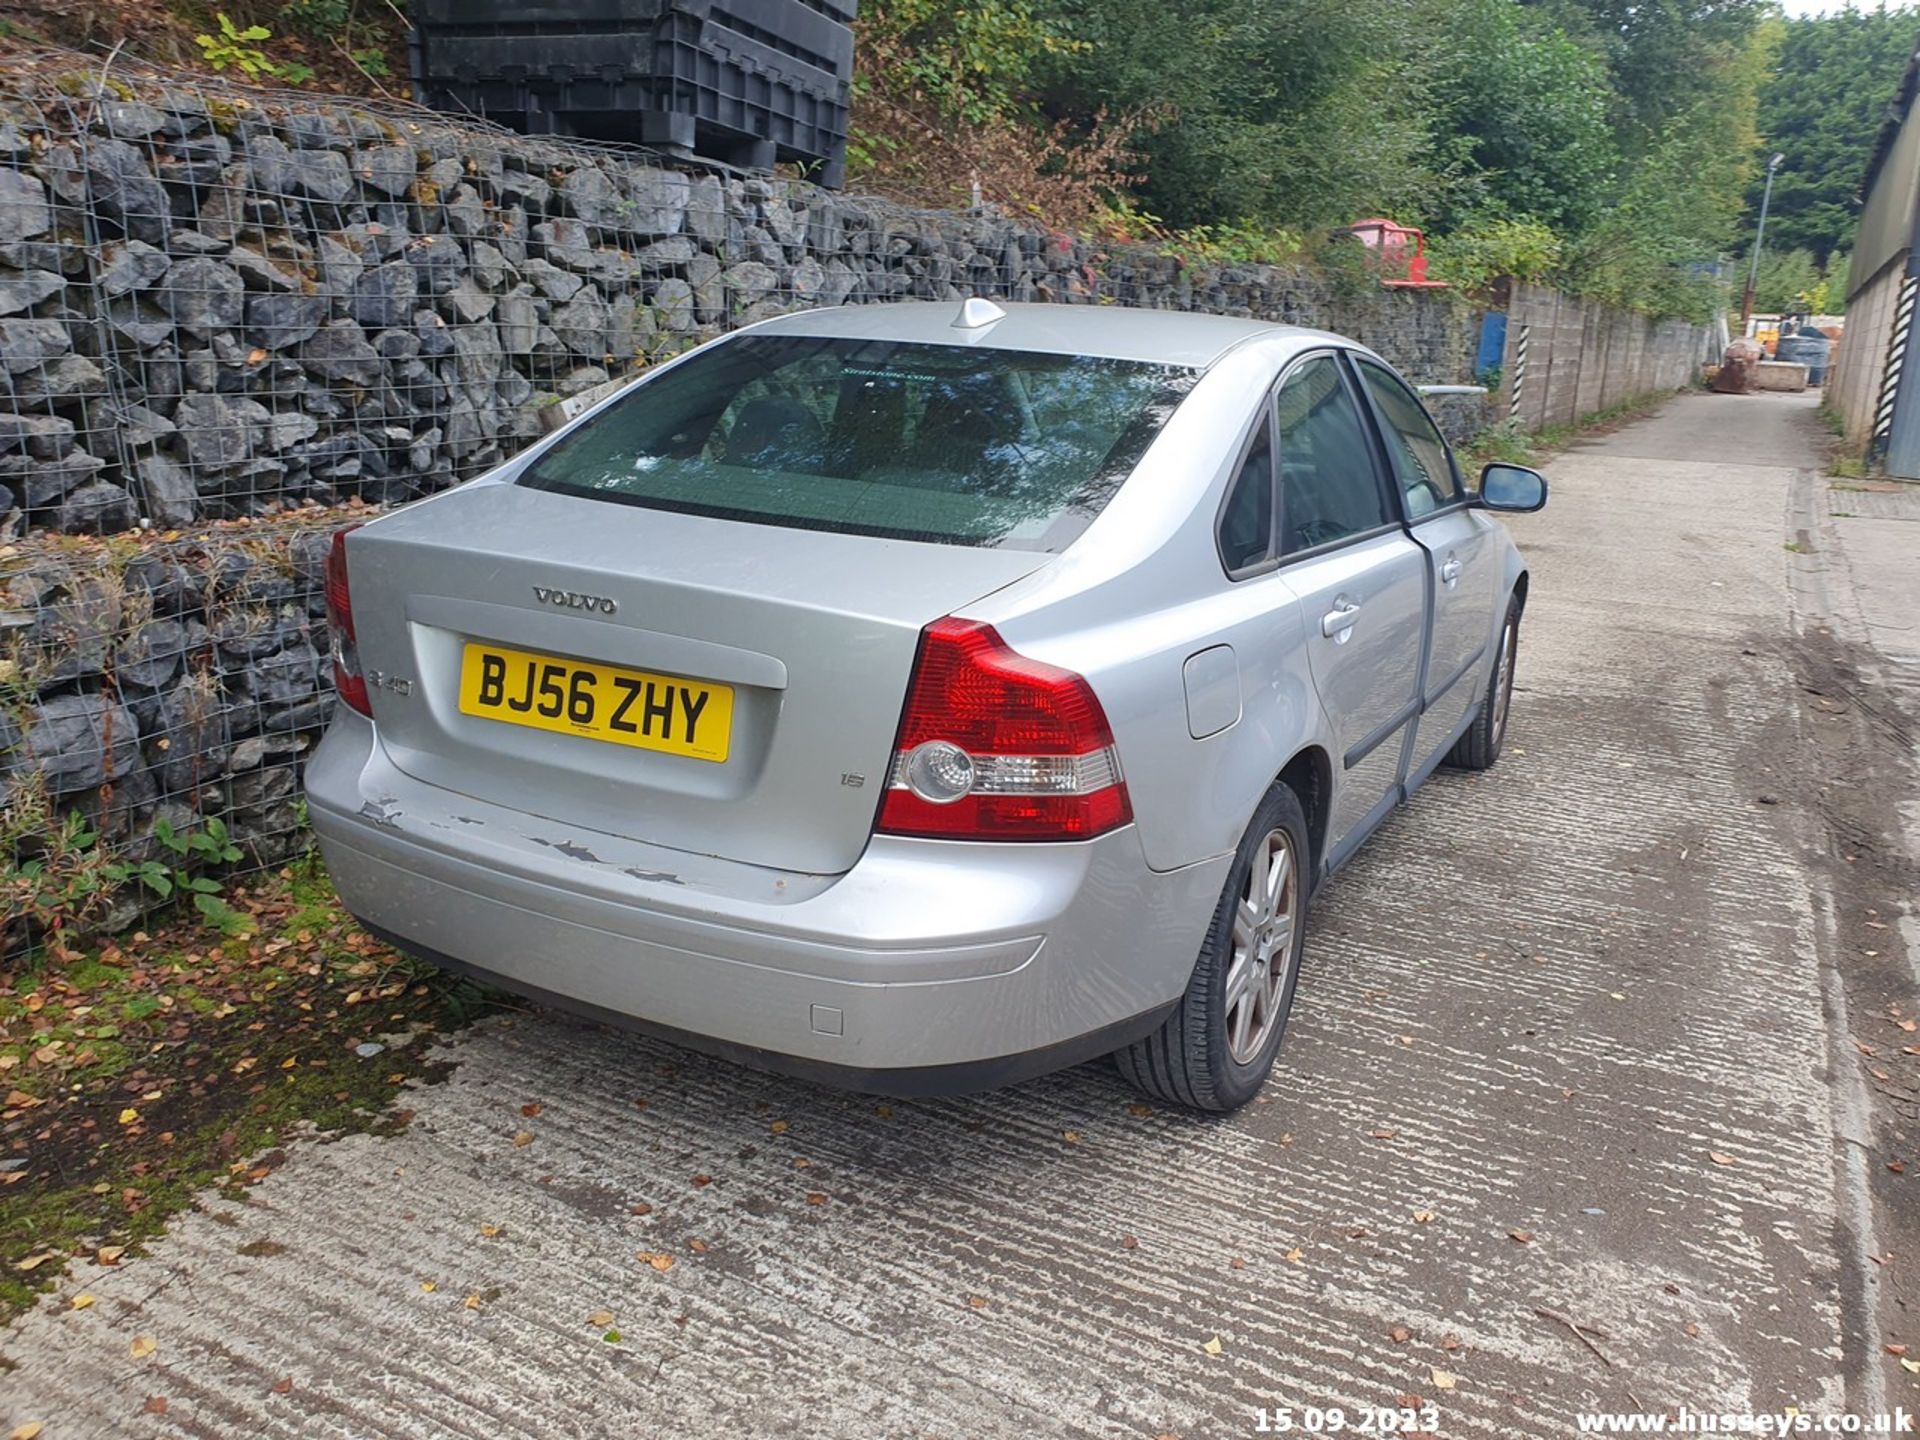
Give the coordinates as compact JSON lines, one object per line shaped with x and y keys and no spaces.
{"x":1874,"y":390}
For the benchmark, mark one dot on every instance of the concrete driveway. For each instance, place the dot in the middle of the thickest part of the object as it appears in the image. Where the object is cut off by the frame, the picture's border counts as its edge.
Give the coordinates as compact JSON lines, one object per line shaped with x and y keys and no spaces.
{"x":1573,"y":1046}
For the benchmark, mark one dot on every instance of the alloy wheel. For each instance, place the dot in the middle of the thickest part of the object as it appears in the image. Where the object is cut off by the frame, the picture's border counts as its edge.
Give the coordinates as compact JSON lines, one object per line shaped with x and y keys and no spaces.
{"x":1265,"y":916}
{"x":1503,"y":682}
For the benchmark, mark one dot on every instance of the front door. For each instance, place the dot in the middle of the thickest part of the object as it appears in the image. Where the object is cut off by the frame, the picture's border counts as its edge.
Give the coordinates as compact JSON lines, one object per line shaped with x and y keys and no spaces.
{"x":1462,"y":563}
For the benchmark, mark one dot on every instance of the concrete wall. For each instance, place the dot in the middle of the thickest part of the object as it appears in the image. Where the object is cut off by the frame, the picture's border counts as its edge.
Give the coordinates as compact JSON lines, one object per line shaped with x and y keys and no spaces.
{"x":1567,"y":358}
{"x":1860,"y":359}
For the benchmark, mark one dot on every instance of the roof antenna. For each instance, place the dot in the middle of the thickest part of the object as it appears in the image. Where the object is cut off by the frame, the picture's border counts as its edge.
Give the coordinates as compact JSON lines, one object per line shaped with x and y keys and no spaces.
{"x":977,"y":313}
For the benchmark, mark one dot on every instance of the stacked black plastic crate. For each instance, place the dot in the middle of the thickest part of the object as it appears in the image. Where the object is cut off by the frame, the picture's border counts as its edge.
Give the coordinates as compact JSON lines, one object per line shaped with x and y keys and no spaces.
{"x":749,"y":82}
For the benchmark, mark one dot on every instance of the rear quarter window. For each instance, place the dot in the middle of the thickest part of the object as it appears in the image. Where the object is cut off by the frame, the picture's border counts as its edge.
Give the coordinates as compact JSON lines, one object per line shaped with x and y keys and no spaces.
{"x":946,"y":443}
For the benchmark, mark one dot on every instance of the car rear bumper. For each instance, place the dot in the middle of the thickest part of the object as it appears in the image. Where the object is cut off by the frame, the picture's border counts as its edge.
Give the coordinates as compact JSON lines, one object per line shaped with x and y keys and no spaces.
{"x":930,"y":966}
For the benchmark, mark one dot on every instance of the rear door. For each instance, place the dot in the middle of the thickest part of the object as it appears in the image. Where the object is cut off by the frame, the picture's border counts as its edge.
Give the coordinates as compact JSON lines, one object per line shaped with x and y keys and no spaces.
{"x":1361,"y":584}
{"x":1462,"y":560}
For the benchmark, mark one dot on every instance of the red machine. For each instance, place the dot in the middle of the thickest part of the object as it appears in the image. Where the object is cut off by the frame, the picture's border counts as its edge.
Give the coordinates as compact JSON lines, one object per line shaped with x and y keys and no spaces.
{"x":1399,"y":253}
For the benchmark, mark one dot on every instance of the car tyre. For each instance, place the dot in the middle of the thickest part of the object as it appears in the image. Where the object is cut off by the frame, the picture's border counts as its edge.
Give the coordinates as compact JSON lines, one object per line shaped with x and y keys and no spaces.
{"x":1480,"y":746}
{"x":1216,"y":1050}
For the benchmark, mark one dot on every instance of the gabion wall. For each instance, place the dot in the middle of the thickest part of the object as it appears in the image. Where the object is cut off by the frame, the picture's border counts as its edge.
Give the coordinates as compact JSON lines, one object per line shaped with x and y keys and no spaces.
{"x":151,"y":683}
{"x":218,"y":302}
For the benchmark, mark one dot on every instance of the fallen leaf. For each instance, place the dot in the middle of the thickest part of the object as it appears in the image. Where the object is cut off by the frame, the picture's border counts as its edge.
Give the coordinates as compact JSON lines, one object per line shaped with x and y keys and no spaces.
{"x":490,"y":1232}
{"x":282,"y":1386}
{"x":1912,"y":1367}
{"x":156,"y":1405}
{"x":129,"y":1116}
{"x":1719,"y":1159}
{"x":1423,"y":1217}
{"x":697,"y":1245}
{"x":1129,"y":1242}
{"x":885,"y":1112}
{"x":1139,"y":1111}
{"x":522,"y":1138}
{"x":816,"y":1197}
{"x":1072,"y":1137}
{"x":109,"y":1254}
{"x":1898,"y":1167}
{"x":702,"y":1180}
{"x":428,"y":1286}
{"x":657,"y":1259}
{"x":1442,"y":1379}
{"x":1690,"y":1329}
{"x":800,"y":1162}
{"x":26,"y":1431}
{"x":34,"y":1262}
{"x":473,"y":1302}
{"x":1213,"y":1346}
{"x":978,"y":1302}
{"x":83,"y":1302}
{"x":1896,"y":1350}
{"x":600,"y":1318}
{"x":1521,"y":1237}
{"x":1296,"y":1254}
{"x":1400,"y":1334}
{"x":612,"y":1337}
{"x":530,"y":1109}
{"x":1449,"y":1341}
{"x":1236,"y":1263}
{"x":142,"y":1347}
{"x":1384,"y":1134}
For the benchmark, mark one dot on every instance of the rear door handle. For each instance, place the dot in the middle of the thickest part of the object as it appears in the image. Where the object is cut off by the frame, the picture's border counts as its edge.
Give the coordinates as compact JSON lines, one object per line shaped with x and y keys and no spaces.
{"x":1450,"y":572}
{"x":1337,"y":622}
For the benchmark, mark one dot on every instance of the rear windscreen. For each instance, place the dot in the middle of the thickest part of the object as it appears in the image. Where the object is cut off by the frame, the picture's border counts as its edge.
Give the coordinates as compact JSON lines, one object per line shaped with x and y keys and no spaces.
{"x":946,"y":443}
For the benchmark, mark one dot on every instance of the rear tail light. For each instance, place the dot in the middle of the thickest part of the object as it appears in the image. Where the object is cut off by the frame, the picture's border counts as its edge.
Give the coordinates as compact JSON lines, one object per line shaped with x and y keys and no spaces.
{"x":347,"y":678}
{"x":994,"y":746}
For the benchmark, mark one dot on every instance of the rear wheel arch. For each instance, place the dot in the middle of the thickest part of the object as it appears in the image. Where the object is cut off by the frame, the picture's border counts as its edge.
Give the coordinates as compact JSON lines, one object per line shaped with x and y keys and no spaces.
{"x":1309,"y":774}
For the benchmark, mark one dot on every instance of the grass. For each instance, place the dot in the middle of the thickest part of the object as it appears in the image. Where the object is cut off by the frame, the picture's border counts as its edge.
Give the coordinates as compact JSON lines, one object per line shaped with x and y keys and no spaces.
{"x":140,"y":1073}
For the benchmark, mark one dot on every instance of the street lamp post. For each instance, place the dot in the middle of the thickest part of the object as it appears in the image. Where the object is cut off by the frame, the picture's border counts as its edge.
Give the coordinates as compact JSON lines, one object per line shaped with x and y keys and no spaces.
{"x":1759,"y":235}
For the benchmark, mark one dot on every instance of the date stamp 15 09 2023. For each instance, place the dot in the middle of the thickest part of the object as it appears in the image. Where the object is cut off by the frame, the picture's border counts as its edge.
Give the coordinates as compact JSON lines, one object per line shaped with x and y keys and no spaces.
{"x":1402,"y":1422}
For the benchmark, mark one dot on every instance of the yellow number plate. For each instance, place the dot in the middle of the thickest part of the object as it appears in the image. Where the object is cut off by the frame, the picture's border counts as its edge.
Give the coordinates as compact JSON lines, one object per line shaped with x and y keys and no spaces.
{"x":602,"y":702}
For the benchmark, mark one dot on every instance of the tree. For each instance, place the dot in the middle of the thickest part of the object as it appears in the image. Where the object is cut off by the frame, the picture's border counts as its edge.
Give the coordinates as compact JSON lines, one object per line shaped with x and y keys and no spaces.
{"x":1520,"y":117}
{"x":1297,"y":113}
{"x":1821,"y":108}
{"x":1659,"y":52}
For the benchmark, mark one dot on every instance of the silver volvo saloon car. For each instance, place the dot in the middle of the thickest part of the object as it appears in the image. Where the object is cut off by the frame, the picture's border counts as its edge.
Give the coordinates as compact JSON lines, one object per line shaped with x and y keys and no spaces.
{"x":923,"y":700}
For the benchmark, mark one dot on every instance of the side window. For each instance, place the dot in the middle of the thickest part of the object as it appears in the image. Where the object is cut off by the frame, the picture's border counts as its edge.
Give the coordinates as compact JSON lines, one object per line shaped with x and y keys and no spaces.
{"x":1246,"y":522}
{"x":1422,"y":465}
{"x":1328,"y":488}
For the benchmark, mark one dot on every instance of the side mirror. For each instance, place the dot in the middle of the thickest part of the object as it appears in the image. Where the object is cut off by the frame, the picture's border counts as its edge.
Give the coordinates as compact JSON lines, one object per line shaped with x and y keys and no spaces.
{"x":1512,"y":487}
